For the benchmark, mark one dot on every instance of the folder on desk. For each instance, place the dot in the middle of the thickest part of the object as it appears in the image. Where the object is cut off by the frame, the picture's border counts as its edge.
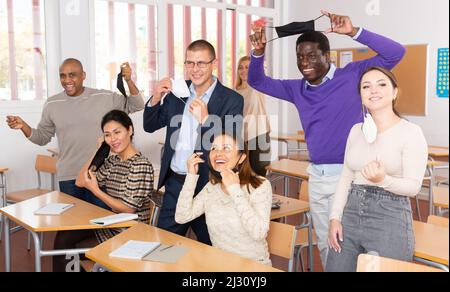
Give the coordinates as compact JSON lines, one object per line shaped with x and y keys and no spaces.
{"x":168,"y":254}
{"x":53,"y":209}
{"x":114,"y":219}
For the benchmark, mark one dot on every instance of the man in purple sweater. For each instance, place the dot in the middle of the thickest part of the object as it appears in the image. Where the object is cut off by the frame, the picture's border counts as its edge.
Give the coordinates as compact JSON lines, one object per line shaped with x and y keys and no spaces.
{"x":328,"y":103}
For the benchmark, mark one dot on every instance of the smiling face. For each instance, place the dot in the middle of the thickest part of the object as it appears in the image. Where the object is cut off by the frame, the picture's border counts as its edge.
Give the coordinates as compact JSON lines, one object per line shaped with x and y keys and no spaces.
{"x":201,"y":77}
{"x":72,"y":77}
{"x":377,"y":91}
{"x":225,"y":154}
{"x":117,"y":136}
{"x":312,"y":63}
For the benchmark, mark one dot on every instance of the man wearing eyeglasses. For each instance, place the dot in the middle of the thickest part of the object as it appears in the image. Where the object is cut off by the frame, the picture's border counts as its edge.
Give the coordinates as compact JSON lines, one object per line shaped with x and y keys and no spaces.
{"x":190,"y":123}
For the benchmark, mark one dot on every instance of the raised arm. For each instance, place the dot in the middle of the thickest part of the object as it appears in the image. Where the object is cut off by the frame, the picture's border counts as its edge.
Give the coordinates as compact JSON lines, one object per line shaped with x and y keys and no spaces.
{"x":389,"y":52}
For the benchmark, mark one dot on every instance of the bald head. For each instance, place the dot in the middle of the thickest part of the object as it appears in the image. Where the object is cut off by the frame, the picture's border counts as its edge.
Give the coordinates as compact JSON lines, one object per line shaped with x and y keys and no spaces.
{"x":72,"y":61}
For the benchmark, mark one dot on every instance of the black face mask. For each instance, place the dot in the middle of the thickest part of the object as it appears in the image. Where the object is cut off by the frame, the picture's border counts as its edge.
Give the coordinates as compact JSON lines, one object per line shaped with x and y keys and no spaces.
{"x":217,"y":174}
{"x":295,"y":28}
{"x":100,"y":157}
{"x":120,"y":86}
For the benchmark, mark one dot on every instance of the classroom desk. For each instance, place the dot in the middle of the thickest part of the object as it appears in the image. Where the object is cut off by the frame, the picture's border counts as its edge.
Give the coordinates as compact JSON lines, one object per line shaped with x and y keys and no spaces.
{"x":53,"y":151}
{"x":286,"y":138}
{"x":431,"y":245}
{"x":76,"y":218}
{"x":437,"y":152}
{"x":289,"y":169}
{"x":200,"y":257}
{"x":432,"y":166}
{"x":374,"y":264}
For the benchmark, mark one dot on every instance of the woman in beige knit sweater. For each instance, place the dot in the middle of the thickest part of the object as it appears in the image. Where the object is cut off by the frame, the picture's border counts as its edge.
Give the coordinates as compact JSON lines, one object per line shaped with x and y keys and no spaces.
{"x":236,"y":202}
{"x":384,"y":166}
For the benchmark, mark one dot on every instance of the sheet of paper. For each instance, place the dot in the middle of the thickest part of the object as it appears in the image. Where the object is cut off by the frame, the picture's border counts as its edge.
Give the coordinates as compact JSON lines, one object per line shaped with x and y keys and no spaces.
{"x":346,"y":58}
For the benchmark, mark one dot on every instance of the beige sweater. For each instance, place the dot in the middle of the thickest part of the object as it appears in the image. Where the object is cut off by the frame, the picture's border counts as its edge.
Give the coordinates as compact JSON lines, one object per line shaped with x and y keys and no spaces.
{"x":403,"y":151}
{"x":238,"y":223}
{"x":256,"y":121}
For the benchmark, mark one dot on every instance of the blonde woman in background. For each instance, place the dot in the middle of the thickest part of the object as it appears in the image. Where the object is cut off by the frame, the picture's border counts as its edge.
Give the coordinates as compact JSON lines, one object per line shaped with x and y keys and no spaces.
{"x":256,"y":121}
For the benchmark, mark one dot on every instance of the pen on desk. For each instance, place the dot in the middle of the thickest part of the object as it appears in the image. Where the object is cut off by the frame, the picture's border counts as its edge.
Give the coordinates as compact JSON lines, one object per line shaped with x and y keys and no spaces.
{"x":68,"y":206}
{"x":166,"y":248}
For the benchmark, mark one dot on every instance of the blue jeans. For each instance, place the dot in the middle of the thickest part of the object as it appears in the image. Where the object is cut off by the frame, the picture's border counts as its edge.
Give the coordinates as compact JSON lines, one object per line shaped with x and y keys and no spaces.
{"x":69,"y":187}
{"x":375,"y":221}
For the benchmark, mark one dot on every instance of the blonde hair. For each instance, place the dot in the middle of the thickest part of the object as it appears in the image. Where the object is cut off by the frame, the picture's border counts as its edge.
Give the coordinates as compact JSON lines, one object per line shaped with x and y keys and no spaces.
{"x":238,"y":83}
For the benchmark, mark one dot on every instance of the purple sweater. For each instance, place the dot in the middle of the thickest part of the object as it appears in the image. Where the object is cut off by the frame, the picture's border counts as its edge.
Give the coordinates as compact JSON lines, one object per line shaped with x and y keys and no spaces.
{"x":328,"y":112}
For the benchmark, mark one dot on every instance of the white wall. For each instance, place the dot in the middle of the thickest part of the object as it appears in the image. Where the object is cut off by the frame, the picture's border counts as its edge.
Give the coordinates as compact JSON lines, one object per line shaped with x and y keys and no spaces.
{"x":408,"y":22}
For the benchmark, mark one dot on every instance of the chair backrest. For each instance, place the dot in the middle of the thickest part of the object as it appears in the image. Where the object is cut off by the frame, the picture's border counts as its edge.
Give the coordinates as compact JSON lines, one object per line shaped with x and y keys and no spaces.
{"x":438,"y":221}
{"x":281,"y":240}
{"x":371,"y":263}
{"x":304,"y":191}
{"x":152,"y":207}
{"x":46,"y":164}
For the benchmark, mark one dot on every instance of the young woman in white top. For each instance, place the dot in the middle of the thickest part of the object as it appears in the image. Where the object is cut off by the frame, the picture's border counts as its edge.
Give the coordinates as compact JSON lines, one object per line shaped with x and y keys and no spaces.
{"x":256,"y":121}
{"x":384,"y":166}
{"x":236,"y":202}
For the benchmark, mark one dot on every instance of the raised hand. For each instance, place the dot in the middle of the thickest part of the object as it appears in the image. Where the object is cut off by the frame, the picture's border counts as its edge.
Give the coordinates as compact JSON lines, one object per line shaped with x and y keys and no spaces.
{"x":340,"y":24}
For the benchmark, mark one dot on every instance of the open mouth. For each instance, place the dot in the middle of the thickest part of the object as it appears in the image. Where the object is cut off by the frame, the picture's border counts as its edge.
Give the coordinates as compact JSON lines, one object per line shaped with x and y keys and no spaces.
{"x":219,"y":162}
{"x":307,"y":71}
{"x":376,"y":98}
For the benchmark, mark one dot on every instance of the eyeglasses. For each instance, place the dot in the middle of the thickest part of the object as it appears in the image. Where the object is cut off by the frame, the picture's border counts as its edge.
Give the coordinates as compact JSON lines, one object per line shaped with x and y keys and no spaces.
{"x":200,"y":64}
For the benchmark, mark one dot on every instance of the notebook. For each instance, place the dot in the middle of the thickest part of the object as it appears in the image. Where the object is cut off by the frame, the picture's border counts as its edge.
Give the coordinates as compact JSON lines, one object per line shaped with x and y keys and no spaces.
{"x":114,"y":219}
{"x":134,"y":250}
{"x":53,"y":209}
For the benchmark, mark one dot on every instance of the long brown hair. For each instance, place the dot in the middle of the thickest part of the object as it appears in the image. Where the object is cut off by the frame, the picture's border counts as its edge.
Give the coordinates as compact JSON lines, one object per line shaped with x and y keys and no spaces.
{"x":239,"y":81}
{"x":391,"y":77}
{"x":247,"y":176}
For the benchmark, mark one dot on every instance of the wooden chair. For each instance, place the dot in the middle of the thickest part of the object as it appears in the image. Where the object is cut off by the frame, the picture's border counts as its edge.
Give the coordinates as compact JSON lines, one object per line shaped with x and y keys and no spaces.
{"x":370,"y":263}
{"x":281,"y":241}
{"x":438,"y":221}
{"x":44,"y":164}
{"x":302,"y":239}
{"x":440,"y":199}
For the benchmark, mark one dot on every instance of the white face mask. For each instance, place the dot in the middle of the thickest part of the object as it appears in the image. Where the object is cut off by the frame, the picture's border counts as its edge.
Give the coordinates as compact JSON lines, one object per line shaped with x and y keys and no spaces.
{"x":369,"y":129}
{"x":180,"y":88}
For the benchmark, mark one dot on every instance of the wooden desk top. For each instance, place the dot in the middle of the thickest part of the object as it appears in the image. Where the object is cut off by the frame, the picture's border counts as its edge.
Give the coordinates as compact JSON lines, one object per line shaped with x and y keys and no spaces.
{"x":290,"y":167}
{"x":289,"y":137}
{"x":3,"y":170}
{"x":438,"y":152}
{"x":76,"y":218}
{"x":200,"y":257}
{"x":53,"y":151}
{"x":374,"y":264}
{"x":431,"y":242}
{"x":289,"y":206}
